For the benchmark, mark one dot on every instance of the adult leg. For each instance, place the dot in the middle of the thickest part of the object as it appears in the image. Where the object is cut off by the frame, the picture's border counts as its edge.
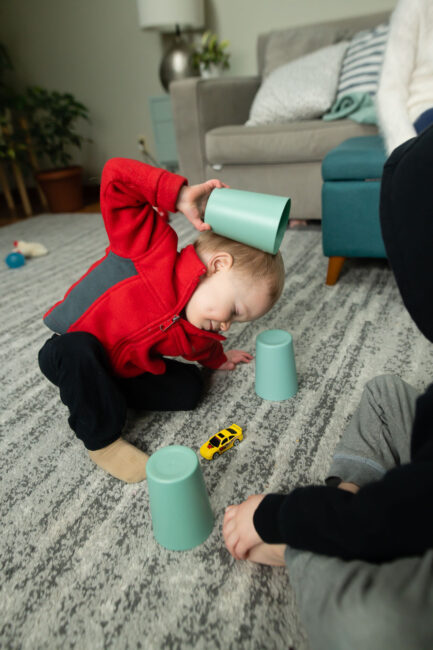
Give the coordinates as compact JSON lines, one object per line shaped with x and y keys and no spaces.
{"x":358,"y":605}
{"x":377,"y":437}
{"x":77,"y":364}
{"x":355,"y":604}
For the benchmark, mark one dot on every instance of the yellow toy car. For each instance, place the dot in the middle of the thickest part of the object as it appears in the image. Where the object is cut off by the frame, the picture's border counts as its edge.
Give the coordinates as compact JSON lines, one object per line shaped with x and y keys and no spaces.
{"x":220,"y":442}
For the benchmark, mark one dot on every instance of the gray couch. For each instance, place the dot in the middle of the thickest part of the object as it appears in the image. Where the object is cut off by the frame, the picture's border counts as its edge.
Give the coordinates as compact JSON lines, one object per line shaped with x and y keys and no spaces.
{"x":212,"y":141}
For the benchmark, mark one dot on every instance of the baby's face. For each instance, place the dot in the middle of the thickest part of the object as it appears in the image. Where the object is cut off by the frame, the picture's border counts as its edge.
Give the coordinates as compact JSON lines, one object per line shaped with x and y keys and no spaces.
{"x":225,"y":297}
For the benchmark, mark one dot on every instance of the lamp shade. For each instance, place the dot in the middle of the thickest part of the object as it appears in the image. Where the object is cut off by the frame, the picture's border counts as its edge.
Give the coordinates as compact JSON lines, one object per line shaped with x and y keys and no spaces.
{"x":166,"y":14}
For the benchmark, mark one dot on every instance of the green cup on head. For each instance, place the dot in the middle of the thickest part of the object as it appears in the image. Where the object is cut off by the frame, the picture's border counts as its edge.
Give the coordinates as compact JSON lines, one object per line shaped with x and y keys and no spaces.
{"x":276,"y":378}
{"x":179,"y":504}
{"x":259,"y":220}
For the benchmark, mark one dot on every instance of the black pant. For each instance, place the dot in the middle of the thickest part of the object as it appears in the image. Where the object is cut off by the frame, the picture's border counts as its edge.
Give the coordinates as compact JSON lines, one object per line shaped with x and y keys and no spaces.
{"x":98,"y":400}
{"x":406,"y":214}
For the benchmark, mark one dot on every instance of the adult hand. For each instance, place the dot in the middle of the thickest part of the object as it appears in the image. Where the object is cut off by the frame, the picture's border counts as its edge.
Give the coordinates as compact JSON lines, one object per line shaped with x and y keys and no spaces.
{"x":192,"y":200}
{"x":239,"y":533}
{"x":234,"y":357}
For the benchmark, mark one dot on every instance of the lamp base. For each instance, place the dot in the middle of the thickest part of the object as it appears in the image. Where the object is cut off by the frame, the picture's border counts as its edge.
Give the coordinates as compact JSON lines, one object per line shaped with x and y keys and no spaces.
{"x":177,"y":63}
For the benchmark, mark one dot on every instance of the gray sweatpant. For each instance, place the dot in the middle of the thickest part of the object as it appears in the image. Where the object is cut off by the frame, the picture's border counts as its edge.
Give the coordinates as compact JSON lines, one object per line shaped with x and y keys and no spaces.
{"x":357,"y":605}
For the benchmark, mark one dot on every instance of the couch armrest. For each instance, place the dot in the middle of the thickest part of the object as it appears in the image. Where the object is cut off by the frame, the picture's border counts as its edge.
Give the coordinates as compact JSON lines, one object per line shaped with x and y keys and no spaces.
{"x":203,"y":104}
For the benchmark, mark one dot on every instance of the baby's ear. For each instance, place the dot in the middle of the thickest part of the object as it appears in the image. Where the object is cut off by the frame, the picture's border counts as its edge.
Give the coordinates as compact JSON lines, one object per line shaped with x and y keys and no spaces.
{"x":220,"y":261}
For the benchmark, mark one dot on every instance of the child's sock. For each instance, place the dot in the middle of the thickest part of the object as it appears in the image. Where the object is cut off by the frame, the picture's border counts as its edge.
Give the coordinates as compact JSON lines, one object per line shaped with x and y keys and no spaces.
{"x":122,"y":460}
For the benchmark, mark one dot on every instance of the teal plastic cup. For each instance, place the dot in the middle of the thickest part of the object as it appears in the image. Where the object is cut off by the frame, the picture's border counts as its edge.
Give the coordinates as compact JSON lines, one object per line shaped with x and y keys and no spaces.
{"x":276,"y":378}
{"x":259,"y":220}
{"x":179,"y":504}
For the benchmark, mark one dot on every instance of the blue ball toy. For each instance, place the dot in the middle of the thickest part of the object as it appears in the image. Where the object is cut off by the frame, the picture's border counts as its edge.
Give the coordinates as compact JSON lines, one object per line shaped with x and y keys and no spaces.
{"x":15,"y":260}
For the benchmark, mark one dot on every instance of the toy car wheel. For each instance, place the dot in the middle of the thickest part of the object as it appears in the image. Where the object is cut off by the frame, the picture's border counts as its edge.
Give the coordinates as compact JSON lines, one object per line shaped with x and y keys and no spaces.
{"x":215,"y":456}
{"x":236,"y":442}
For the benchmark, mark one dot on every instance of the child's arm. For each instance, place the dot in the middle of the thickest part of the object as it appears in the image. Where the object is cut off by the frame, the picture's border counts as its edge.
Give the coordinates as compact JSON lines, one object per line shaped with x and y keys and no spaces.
{"x":214,"y":357}
{"x":217,"y":359}
{"x":234,"y":357}
{"x":192,"y":202}
{"x":129,"y":192}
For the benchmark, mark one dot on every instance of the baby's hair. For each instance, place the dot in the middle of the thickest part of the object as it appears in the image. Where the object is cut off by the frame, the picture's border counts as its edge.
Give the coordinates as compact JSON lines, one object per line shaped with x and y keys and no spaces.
{"x":246,"y":259}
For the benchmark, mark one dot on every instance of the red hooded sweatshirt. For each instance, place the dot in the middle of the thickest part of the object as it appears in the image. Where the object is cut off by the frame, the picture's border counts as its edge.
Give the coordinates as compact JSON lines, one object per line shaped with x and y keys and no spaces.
{"x":132,"y":299}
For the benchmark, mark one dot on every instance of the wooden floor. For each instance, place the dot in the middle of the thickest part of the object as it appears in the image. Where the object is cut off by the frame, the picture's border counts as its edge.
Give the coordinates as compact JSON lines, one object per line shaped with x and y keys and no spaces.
{"x":91,"y":204}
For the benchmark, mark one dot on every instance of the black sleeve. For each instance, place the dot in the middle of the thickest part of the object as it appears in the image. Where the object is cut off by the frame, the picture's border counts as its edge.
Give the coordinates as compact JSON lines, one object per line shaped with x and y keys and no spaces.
{"x":383,"y":521}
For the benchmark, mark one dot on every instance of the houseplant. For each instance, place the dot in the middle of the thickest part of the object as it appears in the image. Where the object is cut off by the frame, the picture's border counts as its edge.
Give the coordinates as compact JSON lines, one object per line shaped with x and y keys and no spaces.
{"x":13,"y":144}
{"x":11,"y":137}
{"x":50,"y":119}
{"x":211,"y":57}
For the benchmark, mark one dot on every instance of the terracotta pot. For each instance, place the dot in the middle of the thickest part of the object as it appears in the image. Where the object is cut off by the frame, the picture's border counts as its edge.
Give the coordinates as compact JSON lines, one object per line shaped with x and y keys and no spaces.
{"x":63,"y":188}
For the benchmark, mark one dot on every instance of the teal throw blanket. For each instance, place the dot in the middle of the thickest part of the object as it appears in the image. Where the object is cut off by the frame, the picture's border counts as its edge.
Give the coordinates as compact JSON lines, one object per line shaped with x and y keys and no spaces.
{"x":359,"y":107}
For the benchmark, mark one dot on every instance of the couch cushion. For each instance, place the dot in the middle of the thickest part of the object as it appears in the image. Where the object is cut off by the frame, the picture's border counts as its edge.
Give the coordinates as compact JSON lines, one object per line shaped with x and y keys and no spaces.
{"x":304,"y":141}
{"x":362,"y":62}
{"x":303,"y":89}
{"x":280,"y":46}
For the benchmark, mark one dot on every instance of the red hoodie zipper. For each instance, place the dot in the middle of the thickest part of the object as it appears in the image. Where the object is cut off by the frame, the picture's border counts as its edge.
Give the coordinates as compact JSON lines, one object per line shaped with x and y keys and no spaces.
{"x":168,"y":323}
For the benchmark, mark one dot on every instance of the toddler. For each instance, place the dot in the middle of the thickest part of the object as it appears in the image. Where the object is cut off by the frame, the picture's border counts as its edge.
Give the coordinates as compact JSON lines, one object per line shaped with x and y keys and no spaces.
{"x":144,"y":302}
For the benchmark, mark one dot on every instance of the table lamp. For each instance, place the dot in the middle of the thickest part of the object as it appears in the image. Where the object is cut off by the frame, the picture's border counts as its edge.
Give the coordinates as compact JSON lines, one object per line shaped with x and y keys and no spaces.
{"x":172,"y":16}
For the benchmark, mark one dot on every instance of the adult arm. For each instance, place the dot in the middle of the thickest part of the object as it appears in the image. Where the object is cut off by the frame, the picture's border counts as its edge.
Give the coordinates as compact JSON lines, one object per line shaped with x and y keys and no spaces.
{"x":383,"y":521}
{"x":398,"y":66}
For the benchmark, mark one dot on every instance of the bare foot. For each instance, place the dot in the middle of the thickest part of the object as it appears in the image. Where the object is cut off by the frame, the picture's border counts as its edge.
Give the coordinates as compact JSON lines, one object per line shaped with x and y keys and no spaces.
{"x":271,"y":554}
{"x":122,"y":460}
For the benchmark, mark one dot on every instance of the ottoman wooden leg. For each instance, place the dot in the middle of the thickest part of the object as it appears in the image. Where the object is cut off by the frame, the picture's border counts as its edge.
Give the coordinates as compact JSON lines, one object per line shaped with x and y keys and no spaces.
{"x":335,"y":264}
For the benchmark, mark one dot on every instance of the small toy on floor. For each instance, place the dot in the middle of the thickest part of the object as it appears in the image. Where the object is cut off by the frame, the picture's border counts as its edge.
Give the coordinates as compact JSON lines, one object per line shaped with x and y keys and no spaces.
{"x":29,"y":248}
{"x":23,"y":249}
{"x":15,"y":259}
{"x":220,"y":442}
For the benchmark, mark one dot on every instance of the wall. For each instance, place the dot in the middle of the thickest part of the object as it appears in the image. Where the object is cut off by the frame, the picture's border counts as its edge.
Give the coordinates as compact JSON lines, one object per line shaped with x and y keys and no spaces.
{"x":240,"y":21}
{"x":96,"y":50}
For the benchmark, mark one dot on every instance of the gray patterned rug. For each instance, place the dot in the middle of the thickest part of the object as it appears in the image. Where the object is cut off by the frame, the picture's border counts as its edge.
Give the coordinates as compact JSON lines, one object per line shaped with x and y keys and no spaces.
{"x":79,"y":565}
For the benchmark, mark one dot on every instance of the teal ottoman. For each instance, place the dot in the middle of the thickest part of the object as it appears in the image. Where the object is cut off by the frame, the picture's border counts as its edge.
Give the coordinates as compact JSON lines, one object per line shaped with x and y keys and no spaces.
{"x":350,"y":202}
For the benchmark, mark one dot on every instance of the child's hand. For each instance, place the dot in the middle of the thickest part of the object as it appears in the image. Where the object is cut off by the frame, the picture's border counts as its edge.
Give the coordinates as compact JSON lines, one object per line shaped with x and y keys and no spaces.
{"x":234,"y":357}
{"x":239,"y":533}
{"x":192,"y":200}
